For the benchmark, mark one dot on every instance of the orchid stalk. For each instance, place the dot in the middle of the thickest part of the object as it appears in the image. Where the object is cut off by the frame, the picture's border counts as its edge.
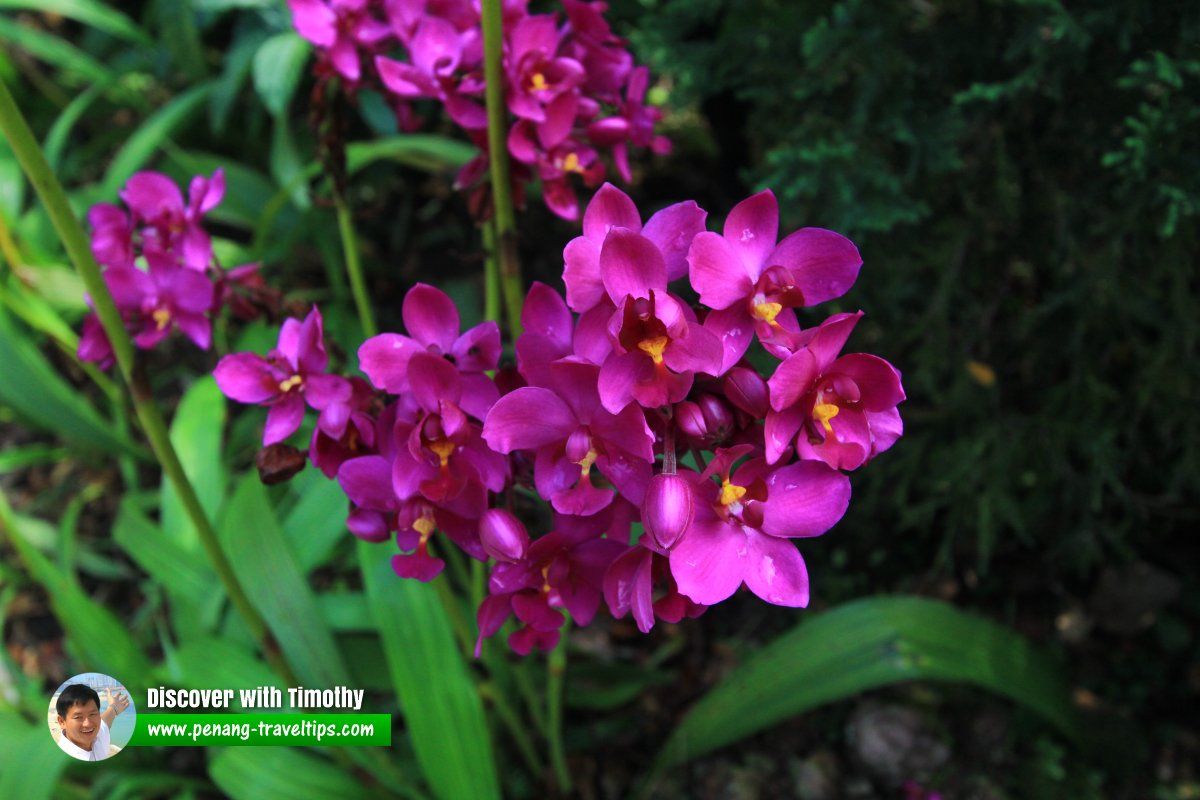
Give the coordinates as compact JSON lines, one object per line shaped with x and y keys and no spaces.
{"x":504,"y":216}
{"x":75,"y":241}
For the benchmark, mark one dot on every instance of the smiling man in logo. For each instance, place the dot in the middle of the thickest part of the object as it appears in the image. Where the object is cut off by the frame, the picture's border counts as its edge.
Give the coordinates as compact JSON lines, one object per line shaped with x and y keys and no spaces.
{"x":85,"y":731}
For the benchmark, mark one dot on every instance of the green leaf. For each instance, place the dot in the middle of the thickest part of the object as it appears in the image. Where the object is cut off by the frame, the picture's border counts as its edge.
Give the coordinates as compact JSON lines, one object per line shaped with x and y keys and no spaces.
{"x":56,"y":139}
{"x":196,"y":433}
{"x":162,"y":558}
{"x":89,"y":12}
{"x":33,"y":310}
{"x":14,"y":458}
{"x":267,"y":569}
{"x":286,"y":165}
{"x":147,"y":139}
{"x":238,"y":59}
{"x":317,"y":523}
{"x":247,"y":190}
{"x":441,"y":706}
{"x":864,"y":645}
{"x":346,"y":611}
{"x":421,"y":150}
{"x":52,"y":49}
{"x":45,"y":400}
{"x":278,"y":65}
{"x":177,"y":25}
{"x":60,"y":287}
{"x":210,"y":663}
{"x":12,"y":183}
{"x":30,"y":762}
{"x":252,"y":773}
{"x":94,"y":634}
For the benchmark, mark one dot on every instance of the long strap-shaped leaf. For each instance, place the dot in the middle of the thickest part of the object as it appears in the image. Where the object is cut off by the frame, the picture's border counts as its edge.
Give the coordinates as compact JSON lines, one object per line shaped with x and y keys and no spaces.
{"x":864,"y":645}
{"x":441,"y":707}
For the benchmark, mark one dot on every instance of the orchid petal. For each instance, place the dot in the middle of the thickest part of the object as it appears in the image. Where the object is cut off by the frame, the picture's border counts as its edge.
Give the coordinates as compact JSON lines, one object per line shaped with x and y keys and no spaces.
{"x":385,"y":360}
{"x":793,"y":379}
{"x":672,"y":231}
{"x":631,"y":265}
{"x":717,"y":271}
{"x":609,"y":208}
{"x":283,"y":418}
{"x":824,"y":264}
{"x":431,"y":318}
{"x":581,"y":274}
{"x":752,"y":228}
{"x":707,"y":562}
{"x":246,"y":378}
{"x":367,"y":481}
{"x":775,"y":571}
{"x":804,"y":499}
{"x":878,"y":380}
{"x":526,"y":419}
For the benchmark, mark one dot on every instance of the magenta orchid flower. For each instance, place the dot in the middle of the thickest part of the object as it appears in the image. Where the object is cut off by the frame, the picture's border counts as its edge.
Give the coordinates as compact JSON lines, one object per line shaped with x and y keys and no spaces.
{"x":629,"y":588}
{"x":172,"y":225}
{"x":671,"y":230}
{"x":740,"y":530}
{"x":563,"y":569}
{"x":443,"y":458}
{"x":841,"y":411}
{"x":432,"y":321}
{"x":443,"y":60}
{"x":165,"y":297}
{"x":537,"y":77}
{"x":570,"y":433}
{"x":112,"y":235}
{"x":340,"y":28}
{"x":753,"y":284}
{"x":658,"y":344}
{"x":291,"y":376}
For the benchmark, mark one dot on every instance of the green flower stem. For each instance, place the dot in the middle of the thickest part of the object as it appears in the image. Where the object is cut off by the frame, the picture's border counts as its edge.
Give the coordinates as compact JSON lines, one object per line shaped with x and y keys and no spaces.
{"x":533,"y":700}
{"x":354,"y":266}
{"x":505,"y":216}
{"x":26,"y":149}
{"x":513,"y":723}
{"x":557,"y":668}
{"x":491,"y":273}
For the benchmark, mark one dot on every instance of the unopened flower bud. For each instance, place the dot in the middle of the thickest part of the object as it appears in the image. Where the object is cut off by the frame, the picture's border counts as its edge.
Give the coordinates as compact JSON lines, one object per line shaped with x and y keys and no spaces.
{"x":690,"y":420}
{"x":667,"y":508}
{"x":746,"y":389}
{"x":718,"y":417}
{"x":503,"y":536}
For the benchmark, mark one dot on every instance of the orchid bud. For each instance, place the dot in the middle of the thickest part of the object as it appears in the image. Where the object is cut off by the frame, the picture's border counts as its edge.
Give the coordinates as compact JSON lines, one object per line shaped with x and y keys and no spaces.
{"x":746,"y":389}
{"x":370,"y":526}
{"x":667,"y":508}
{"x":718,"y":418}
{"x":690,"y":420}
{"x":503,"y":536}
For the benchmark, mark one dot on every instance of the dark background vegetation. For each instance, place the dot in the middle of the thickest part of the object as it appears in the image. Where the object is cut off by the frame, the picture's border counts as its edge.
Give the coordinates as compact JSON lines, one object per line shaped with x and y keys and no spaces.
{"x":1023,"y":181}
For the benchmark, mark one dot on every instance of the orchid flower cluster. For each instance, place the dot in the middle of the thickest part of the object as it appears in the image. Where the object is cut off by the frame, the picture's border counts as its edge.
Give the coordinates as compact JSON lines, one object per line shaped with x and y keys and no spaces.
{"x":572,"y":87}
{"x":181,"y":286}
{"x":627,"y":405}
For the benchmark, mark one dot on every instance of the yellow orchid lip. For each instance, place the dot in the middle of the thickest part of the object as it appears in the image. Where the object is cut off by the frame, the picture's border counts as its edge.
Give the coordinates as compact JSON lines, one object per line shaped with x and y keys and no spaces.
{"x":767,"y":312}
{"x":654,"y":347}
{"x":585,"y":463}
{"x":162,"y":317}
{"x":731,"y":493}
{"x":825,"y":412}
{"x":442,"y":448}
